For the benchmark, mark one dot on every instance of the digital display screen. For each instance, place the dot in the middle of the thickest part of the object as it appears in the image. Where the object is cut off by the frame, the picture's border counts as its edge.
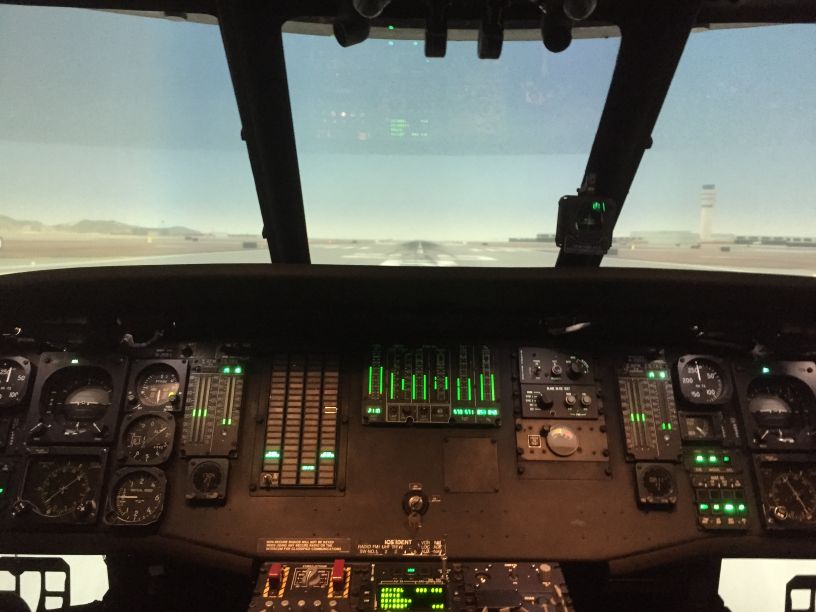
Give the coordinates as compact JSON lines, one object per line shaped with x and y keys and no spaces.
{"x":412,"y":597}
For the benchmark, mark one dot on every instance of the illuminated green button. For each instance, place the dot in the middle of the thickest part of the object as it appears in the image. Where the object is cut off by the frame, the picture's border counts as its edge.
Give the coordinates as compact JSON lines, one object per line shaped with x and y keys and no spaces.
{"x":741,"y":508}
{"x":729,"y":508}
{"x":712,"y":458}
{"x":699,"y":459}
{"x":716,"y":507}
{"x":704,"y":507}
{"x":272,"y":454}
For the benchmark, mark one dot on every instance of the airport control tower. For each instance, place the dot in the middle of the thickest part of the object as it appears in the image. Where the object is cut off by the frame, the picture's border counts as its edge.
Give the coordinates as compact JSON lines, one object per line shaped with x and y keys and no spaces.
{"x":708,"y":197}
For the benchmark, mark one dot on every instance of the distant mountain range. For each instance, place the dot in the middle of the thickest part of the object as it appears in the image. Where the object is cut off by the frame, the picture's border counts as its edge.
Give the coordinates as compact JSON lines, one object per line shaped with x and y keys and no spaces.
{"x":92,"y":226}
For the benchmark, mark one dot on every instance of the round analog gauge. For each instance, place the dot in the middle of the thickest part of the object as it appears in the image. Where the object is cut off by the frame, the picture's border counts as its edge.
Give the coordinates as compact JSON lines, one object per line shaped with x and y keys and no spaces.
{"x":702,"y":381}
{"x":137,"y":498}
{"x":13,"y":382}
{"x":562,"y":440}
{"x":157,"y":385}
{"x":207,"y":477}
{"x":79,"y":395}
{"x":698,"y":427}
{"x":148,"y":439}
{"x":779,"y":401}
{"x":792,"y":495}
{"x":658,"y":481}
{"x":61,"y":487}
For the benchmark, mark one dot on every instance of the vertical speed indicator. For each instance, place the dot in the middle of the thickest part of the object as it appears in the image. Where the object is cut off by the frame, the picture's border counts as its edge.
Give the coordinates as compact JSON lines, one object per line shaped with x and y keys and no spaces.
{"x":703,"y":380}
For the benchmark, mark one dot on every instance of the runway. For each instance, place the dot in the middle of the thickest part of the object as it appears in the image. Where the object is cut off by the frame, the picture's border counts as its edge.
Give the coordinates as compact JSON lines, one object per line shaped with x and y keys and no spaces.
{"x":768,"y":260}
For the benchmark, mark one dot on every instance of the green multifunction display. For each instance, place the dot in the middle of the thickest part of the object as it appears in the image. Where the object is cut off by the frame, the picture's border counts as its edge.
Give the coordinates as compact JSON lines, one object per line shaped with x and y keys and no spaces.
{"x":431,"y":385}
{"x":411,"y":597}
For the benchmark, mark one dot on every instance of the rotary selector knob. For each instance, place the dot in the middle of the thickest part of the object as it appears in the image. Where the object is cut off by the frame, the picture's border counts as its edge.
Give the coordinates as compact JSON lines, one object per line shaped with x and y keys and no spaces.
{"x":577,"y":369}
{"x":544,"y":401}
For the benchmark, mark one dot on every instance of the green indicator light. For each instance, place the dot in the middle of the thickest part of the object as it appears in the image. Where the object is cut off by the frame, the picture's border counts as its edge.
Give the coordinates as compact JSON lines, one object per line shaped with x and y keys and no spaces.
{"x":458,"y":389}
{"x":766,"y":370}
{"x":390,"y":27}
{"x":716,"y":507}
{"x":273,"y":454}
{"x":2,"y":490}
{"x":492,"y":388}
{"x":238,"y":370}
{"x":226,"y":370}
{"x":392,"y":385}
{"x":481,"y":412}
{"x":726,"y":459}
{"x":493,"y":412}
{"x":741,"y":507}
{"x":446,"y":383}
{"x":229,"y":421}
{"x":481,"y":387}
{"x":729,"y":508}
{"x":662,"y":426}
{"x":650,"y":374}
{"x":632,"y":416}
{"x":425,"y":386}
{"x":411,"y":570}
{"x":205,"y":413}
{"x":370,"y":379}
{"x":307,"y":468}
{"x":223,"y":421}
{"x":712,"y":458}
{"x":327,"y":455}
{"x":436,"y":382}
{"x":381,"y":378}
{"x":699,"y":459}
{"x":668,"y":426}
{"x":75,"y":361}
{"x":470,"y":395}
{"x":402,"y":384}
{"x":596,"y":206}
{"x":662,"y":375}
{"x":413,"y":386}
{"x":703,"y":507}
{"x":374,"y":410}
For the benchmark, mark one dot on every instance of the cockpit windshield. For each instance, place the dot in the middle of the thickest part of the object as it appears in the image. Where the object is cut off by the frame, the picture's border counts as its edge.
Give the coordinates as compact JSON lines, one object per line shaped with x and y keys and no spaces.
{"x":457,"y":161}
{"x":121,"y":144}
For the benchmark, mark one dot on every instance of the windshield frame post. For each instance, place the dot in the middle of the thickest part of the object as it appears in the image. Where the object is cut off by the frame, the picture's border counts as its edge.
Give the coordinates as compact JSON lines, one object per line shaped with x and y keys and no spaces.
{"x":650,"y":51}
{"x":253,"y":43}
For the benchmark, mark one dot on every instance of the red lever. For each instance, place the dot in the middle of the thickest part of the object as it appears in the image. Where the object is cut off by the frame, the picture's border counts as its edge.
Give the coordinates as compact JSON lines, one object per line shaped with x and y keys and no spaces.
{"x":338,"y":575}
{"x":274,"y":575}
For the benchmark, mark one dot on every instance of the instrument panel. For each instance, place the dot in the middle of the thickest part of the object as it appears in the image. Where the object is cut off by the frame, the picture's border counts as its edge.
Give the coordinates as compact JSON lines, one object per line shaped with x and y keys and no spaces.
{"x":285,"y":443}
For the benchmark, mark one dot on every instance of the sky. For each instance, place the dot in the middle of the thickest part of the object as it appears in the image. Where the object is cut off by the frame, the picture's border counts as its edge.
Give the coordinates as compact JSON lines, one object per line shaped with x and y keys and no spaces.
{"x":107,"y":116}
